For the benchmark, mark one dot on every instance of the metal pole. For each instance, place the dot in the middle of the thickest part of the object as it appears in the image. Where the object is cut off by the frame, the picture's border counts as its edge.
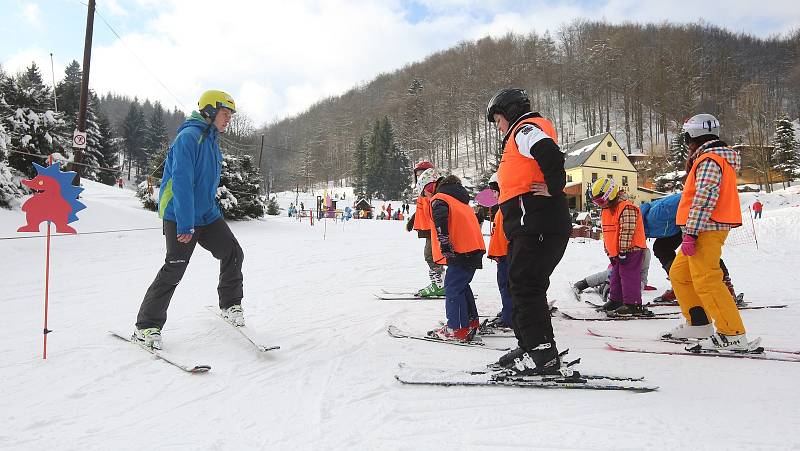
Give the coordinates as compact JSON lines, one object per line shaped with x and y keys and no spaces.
{"x":87,"y":57}
{"x":53,"y":72}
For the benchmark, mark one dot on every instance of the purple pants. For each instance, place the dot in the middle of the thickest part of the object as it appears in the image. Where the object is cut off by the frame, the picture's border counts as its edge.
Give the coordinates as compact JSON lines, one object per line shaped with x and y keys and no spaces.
{"x":626,"y":279}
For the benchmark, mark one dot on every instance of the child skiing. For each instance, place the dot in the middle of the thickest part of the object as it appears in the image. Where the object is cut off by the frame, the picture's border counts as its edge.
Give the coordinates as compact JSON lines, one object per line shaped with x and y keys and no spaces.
{"x":498,"y":251}
{"x":708,"y":210}
{"x":421,"y":222}
{"x":457,"y":241}
{"x":623,"y":237}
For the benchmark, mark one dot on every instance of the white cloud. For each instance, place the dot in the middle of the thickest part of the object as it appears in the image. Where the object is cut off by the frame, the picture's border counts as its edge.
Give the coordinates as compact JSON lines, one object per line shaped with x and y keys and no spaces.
{"x":32,"y":14}
{"x":277,"y":58}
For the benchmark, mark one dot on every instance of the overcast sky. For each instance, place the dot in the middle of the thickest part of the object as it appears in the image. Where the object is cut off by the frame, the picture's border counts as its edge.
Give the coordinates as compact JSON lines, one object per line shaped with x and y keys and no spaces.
{"x":278,"y":57}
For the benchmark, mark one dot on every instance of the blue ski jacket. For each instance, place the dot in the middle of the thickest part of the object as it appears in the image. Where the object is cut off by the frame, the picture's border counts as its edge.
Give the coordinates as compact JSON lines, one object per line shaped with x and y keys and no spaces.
{"x":192,"y":170}
{"x":659,"y":216}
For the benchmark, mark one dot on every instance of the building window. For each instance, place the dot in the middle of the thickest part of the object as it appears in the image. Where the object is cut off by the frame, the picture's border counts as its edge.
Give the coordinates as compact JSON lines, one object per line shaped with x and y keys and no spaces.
{"x":614,"y":158}
{"x":569,"y":178}
{"x":608,"y":143}
{"x":624,"y":180}
{"x":603,"y":157}
{"x":594,"y":176}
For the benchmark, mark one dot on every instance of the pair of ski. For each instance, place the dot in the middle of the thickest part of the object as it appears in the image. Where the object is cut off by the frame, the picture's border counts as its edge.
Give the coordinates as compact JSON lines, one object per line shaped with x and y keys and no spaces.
{"x":486,"y":376}
{"x":740,"y":304}
{"x":249,"y":335}
{"x":385,"y":295}
{"x":665,"y":346}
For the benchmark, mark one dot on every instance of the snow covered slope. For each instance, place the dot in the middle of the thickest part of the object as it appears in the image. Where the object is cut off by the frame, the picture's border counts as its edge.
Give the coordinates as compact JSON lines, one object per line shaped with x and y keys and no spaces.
{"x":331,"y":385}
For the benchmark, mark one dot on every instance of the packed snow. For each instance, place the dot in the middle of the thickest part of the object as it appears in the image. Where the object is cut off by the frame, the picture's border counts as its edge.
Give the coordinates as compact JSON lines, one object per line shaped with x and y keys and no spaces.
{"x":310,"y":290}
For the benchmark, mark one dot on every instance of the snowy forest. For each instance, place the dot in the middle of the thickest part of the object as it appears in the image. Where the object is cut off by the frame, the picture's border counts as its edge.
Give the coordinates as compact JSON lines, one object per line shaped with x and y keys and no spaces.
{"x":637,"y":81}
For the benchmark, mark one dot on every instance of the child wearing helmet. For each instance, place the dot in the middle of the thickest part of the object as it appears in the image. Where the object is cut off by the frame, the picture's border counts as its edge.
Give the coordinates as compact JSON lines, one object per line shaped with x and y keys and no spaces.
{"x":457,"y":242}
{"x":708,"y":209}
{"x":421,"y":222}
{"x":624,"y":241}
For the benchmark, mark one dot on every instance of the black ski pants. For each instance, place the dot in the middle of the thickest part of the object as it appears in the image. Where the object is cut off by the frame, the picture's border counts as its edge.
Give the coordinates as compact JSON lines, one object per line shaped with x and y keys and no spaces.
{"x":532,"y":259}
{"x":216,"y":238}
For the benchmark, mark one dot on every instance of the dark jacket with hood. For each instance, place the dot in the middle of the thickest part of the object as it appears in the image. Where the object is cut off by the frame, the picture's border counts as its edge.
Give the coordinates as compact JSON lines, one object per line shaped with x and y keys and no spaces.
{"x":452,"y":186}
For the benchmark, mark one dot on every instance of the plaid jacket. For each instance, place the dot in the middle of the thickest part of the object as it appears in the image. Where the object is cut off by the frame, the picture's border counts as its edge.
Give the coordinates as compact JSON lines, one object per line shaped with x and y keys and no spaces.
{"x":708,"y":177}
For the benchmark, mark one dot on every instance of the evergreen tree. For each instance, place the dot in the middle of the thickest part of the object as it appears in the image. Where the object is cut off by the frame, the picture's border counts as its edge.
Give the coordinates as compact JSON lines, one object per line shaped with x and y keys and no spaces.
{"x":92,"y":155}
{"x":360,"y":167}
{"x":109,"y":149}
{"x":133,"y":135}
{"x":399,"y":174}
{"x":678,"y":153}
{"x":786,"y":149}
{"x":31,"y":91}
{"x":68,"y":91}
{"x":155,"y":140}
{"x":239,"y":186}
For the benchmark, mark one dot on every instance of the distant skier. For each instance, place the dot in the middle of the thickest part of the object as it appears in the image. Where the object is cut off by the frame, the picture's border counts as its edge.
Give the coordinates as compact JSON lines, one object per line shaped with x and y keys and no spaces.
{"x":498,"y":251}
{"x":421,"y":222}
{"x":708,"y":210}
{"x":537,"y":223}
{"x":625,"y":243}
{"x":457,"y":242}
{"x":191,"y":215}
{"x":757,"y":208}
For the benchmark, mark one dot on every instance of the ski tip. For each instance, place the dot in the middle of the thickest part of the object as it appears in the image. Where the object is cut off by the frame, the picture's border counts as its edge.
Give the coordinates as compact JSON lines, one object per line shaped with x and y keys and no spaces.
{"x":200,"y":369}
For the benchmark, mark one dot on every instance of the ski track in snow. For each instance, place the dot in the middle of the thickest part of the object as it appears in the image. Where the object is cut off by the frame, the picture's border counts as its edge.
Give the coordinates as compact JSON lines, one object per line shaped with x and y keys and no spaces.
{"x":331,"y":384}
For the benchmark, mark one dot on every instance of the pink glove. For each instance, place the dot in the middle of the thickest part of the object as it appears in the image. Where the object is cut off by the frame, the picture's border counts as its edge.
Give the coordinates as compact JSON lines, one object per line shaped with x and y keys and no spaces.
{"x":688,"y":245}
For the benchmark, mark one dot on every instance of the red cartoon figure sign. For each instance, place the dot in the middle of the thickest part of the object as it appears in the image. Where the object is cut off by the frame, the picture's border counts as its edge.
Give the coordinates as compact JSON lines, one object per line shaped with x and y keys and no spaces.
{"x":55,"y":199}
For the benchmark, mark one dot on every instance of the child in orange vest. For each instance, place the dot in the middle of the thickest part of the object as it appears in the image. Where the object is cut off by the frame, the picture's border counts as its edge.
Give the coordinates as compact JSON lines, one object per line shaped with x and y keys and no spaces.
{"x":624,"y":239}
{"x":457,"y":242}
{"x":498,"y":251}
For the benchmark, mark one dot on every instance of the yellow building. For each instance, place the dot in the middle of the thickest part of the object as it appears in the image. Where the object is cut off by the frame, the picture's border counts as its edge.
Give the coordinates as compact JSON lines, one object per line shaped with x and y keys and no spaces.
{"x":596,"y":157}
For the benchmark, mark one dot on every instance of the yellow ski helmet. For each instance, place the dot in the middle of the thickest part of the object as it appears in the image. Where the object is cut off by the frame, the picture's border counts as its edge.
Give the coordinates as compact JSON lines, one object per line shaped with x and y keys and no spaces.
{"x":604,"y":190}
{"x":211,"y":101}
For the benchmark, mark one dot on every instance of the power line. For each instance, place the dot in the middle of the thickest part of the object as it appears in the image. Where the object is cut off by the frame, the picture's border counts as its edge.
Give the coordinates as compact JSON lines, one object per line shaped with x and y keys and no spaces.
{"x":141,"y":62}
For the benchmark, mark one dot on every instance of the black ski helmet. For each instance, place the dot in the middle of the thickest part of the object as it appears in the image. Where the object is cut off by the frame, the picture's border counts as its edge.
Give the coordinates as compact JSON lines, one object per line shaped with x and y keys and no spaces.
{"x":511,"y":103}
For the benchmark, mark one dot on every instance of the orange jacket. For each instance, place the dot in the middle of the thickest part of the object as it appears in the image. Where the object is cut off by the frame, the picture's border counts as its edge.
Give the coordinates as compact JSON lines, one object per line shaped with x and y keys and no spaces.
{"x":516,"y":172}
{"x":727,"y":210}
{"x":610,"y":219}
{"x":422,"y":216}
{"x":463,"y":228}
{"x":498,"y":244}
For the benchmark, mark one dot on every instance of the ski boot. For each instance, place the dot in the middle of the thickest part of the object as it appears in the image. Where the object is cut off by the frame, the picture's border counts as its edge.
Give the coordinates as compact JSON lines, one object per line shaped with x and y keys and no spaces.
{"x":234,"y":315}
{"x":631,"y":310}
{"x":444,"y":333}
{"x":720,"y":342}
{"x":149,"y":337}
{"x":543,"y":360}
{"x":686,"y":331}
{"x":610,"y":306}
{"x":431,"y":291}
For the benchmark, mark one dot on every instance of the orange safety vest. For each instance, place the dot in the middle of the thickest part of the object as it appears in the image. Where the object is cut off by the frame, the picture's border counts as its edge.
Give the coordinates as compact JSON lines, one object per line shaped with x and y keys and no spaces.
{"x":498,"y":243}
{"x":727,"y":210}
{"x":462,"y":225}
{"x":516,"y":172}
{"x":610,"y":220}
{"x":422,"y":216}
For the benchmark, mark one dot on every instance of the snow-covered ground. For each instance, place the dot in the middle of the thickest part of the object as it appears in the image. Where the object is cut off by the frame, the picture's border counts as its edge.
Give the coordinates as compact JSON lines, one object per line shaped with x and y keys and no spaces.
{"x":331,"y":386}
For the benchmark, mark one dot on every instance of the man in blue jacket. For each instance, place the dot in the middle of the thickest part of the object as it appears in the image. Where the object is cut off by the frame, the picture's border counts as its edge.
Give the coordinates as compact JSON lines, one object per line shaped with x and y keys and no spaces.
{"x":191,"y":215}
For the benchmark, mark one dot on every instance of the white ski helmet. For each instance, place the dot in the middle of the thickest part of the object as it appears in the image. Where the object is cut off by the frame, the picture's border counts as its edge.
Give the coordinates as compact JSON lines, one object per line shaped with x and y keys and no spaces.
{"x":429,"y":176}
{"x":493,"y":178}
{"x":701,"y":124}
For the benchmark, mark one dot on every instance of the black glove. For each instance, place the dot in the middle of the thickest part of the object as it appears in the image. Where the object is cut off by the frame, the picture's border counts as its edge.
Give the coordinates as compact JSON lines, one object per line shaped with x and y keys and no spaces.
{"x":446,"y":247}
{"x":410,"y":223}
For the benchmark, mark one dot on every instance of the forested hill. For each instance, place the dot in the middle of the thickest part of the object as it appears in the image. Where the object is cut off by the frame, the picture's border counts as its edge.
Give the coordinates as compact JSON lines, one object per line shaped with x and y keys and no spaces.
{"x":116,"y":108}
{"x":638,"y":81}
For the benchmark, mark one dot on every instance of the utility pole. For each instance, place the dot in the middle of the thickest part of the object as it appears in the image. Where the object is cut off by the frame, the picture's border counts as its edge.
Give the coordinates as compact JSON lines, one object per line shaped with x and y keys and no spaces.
{"x":53,"y":72}
{"x":87,"y":57}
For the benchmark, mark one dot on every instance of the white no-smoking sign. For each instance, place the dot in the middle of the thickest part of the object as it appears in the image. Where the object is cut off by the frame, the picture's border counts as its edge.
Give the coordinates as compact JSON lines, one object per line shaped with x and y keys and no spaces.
{"x":79,"y":139}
